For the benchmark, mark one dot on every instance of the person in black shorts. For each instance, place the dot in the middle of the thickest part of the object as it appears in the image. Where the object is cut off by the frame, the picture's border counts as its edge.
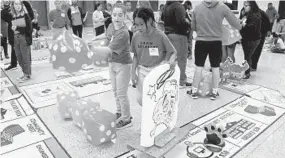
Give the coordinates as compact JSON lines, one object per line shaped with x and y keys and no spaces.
{"x":207,"y":22}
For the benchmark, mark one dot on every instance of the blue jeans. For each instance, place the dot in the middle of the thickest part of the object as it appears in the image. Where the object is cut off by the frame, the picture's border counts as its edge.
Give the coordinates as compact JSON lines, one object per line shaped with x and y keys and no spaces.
{"x":180,"y":43}
{"x":23,"y":53}
{"x":120,"y":78}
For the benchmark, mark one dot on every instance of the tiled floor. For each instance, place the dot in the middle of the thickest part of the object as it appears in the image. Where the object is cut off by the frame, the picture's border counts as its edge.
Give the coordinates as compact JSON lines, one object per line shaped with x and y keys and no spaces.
{"x":270,"y":73}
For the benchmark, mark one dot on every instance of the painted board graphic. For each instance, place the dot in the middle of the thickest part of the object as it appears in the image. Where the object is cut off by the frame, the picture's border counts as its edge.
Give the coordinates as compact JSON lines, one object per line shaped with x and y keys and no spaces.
{"x":8,"y":90}
{"x":38,"y":150}
{"x":5,"y":82}
{"x":90,"y":84}
{"x":257,"y":110}
{"x":41,"y":60}
{"x":160,"y":103}
{"x":44,"y":94}
{"x":14,"y":109}
{"x":239,"y":87}
{"x":194,"y":147}
{"x":269,"y":96}
{"x":22,"y":132}
{"x":239,"y":129}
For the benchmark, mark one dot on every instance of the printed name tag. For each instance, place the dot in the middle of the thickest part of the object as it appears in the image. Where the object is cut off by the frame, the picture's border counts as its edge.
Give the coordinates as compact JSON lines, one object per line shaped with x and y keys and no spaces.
{"x":153,"y":52}
{"x":62,"y":14}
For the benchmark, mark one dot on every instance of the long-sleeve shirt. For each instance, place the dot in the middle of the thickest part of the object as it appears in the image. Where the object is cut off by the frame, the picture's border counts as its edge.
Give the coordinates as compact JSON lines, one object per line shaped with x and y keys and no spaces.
{"x":97,"y":18}
{"x":265,"y":23}
{"x":207,"y":20}
{"x":174,"y":17}
{"x":272,"y":14}
{"x":252,"y":30}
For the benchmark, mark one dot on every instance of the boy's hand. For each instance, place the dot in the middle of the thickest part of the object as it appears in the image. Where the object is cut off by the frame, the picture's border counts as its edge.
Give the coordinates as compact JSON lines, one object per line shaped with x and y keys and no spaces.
{"x":134,"y":79}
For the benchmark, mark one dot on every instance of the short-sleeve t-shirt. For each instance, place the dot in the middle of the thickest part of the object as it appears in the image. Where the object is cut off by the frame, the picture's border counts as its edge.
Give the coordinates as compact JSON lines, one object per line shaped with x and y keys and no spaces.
{"x":119,"y":44}
{"x":151,"y":49}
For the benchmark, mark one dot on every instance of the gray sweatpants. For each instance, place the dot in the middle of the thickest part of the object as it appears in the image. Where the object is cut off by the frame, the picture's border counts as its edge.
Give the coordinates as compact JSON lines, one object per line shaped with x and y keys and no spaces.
{"x":23,"y":53}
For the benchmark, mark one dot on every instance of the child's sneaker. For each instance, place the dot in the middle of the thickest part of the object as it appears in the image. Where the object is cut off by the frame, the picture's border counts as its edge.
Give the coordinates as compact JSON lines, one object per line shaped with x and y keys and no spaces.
{"x":124,"y":124}
{"x":20,"y":78}
{"x":25,"y":78}
{"x":214,"y":96}
{"x":193,"y":95}
{"x":118,"y":115}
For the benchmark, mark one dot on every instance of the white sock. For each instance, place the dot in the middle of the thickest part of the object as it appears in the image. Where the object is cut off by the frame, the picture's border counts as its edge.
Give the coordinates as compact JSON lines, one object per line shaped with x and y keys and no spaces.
{"x":215,"y":90}
{"x":194,"y":90}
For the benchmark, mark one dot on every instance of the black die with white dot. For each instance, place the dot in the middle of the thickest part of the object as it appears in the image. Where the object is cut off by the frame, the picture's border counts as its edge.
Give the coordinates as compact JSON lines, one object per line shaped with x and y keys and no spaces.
{"x":70,"y":53}
{"x":99,"y":126}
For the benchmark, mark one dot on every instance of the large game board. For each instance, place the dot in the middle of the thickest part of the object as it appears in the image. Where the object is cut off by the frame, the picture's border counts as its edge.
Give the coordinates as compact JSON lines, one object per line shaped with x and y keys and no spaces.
{"x":31,"y":125}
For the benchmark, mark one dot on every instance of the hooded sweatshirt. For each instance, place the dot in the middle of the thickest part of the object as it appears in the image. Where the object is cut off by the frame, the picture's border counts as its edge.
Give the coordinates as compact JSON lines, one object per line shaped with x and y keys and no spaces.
{"x":174,"y":17}
{"x":208,"y":20}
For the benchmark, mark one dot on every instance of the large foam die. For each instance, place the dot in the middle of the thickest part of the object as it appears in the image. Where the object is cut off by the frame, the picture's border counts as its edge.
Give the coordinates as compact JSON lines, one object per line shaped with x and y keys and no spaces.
{"x":101,"y":53}
{"x":65,"y":101}
{"x":99,"y":126}
{"x":70,"y":53}
{"x":78,"y":109}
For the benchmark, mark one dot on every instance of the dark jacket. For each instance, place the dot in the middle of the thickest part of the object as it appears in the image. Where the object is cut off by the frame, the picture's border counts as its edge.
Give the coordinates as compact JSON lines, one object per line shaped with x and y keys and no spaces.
{"x":28,"y":30}
{"x":4,"y":25}
{"x":8,"y":18}
{"x":265,"y":23}
{"x":174,"y":17}
{"x":252,"y":30}
{"x":70,"y":18}
{"x":29,"y":9}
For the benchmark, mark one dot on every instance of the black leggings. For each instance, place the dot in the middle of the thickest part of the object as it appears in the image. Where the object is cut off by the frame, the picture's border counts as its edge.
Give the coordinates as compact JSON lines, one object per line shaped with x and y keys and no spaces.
{"x":4,"y":44}
{"x":77,"y":30}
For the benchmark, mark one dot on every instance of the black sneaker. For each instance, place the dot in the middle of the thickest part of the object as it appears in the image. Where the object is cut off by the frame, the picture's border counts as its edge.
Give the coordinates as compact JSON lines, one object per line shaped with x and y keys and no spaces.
{"x":119,"y":115}
{"x":214,"y":96}
{"x":124,"y":124}
{"x":7,"y":56}
{"x":186,"y":84}
{"x":193,"y":95}
{"x":10,"y":68}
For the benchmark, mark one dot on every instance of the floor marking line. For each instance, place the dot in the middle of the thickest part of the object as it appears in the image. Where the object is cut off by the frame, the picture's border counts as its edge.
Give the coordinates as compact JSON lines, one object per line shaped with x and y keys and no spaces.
{"x":53,"y":136}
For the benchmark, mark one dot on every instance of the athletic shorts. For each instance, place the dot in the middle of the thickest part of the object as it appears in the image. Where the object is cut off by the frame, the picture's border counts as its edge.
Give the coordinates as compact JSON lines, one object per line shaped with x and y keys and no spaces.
{"x":203,"y":48}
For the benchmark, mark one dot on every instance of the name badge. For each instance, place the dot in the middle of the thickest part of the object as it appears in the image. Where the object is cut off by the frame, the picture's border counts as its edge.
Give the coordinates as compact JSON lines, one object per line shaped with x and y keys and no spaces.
{"x":62,"y":14}
{"x":153,"y":52}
